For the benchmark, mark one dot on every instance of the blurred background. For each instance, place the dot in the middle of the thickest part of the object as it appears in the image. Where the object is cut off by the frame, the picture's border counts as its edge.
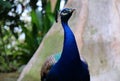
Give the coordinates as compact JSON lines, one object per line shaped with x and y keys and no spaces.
{"x":23,"y":24}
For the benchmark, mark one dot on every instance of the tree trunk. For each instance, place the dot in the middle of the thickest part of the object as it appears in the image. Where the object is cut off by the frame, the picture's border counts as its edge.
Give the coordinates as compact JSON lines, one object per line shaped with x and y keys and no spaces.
{"x":96,"y":25}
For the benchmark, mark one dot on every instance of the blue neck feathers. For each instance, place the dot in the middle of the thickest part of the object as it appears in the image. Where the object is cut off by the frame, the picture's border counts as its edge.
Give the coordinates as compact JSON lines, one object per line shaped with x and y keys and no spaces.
{"x":70,"y":51}
{"x":69,"y":66}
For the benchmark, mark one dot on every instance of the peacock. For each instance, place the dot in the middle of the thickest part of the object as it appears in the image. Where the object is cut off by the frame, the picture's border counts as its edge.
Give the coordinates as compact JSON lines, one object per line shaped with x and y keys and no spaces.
{"x":67,"y":65}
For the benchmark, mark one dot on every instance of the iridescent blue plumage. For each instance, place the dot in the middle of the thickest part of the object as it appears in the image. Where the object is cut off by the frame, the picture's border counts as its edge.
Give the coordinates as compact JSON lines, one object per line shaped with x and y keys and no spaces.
{"x":69,"y":67}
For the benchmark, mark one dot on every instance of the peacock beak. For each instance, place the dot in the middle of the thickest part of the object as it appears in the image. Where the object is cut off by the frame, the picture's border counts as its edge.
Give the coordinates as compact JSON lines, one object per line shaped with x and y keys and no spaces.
{"x":73,"y":10}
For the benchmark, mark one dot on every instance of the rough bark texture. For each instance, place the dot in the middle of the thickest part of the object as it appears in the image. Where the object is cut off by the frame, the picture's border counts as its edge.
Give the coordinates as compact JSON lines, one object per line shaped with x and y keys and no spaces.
{"x":96,"y":25}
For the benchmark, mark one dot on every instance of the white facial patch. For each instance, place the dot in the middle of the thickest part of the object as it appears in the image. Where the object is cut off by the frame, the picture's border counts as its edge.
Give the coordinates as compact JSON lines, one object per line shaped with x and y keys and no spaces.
{"x":64,"y":13}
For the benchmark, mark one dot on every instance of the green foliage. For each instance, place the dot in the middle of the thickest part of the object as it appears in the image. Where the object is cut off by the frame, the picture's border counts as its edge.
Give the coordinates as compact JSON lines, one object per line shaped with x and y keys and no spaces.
{"x":13,"y":51}
{"x":5,"y":6}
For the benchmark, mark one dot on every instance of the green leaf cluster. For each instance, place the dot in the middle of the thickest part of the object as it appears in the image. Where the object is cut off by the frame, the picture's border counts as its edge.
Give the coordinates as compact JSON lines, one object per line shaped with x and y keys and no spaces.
{"x":13,"y":51}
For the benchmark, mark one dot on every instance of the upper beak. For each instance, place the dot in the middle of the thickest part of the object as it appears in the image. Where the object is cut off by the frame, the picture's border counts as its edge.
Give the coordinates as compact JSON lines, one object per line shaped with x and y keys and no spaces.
{"x":73,"y":10}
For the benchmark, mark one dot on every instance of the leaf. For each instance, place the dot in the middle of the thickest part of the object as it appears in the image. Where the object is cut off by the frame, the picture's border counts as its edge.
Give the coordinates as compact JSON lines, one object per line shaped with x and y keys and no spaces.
{"x":48,"y":7}
{"x":35,"y":18}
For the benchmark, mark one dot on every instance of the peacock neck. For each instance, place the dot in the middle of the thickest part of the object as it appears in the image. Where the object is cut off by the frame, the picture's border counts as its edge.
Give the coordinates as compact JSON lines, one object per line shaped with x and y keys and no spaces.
{"x":69,"y":62}
{"x":70,"y":50}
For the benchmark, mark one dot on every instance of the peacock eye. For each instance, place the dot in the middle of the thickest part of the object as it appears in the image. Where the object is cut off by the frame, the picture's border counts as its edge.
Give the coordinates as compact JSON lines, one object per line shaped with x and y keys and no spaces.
{"x":66,"y":12}
{"x":69,"y":10}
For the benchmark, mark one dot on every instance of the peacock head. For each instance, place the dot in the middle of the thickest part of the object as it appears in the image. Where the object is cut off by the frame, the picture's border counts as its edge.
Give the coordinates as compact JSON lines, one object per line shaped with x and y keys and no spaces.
{"x":66,"y":13}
